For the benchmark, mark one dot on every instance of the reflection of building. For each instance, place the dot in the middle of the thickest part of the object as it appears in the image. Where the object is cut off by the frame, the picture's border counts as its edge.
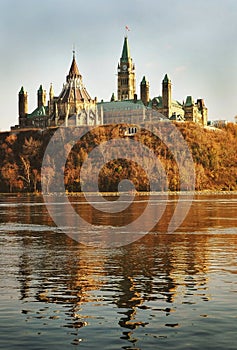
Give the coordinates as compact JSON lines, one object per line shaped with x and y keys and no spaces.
{"x":74,"y":106}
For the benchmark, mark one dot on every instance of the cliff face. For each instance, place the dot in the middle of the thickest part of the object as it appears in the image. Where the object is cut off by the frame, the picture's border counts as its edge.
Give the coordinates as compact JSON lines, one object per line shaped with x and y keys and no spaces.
{"x":214,"y":154}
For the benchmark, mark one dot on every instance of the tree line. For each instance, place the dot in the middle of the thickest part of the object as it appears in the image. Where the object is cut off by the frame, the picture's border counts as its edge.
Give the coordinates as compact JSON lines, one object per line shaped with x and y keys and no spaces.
{"x":214,"y":153}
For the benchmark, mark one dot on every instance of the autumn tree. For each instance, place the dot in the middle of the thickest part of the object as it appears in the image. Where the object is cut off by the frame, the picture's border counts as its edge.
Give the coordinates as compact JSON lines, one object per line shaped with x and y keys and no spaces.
{"x":10,"y":173}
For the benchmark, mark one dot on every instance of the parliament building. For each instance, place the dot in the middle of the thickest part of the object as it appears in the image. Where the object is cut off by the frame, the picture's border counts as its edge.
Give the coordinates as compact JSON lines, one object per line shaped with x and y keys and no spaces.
{"x":74,"y":105}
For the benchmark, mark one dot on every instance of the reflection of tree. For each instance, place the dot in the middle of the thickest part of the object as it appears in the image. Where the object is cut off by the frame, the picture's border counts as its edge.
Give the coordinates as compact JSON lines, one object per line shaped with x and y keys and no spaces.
{"x":25,"y":276}
{"x":148,"y":274}
{"x":64,"y":279}
{"x":144,"y":279}
{"x":130,"y":299}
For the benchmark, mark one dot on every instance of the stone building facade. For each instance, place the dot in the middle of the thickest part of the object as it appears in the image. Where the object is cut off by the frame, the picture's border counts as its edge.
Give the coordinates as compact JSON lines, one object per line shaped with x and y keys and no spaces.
{"x":127,"y":98}
{"x":74,"y":106}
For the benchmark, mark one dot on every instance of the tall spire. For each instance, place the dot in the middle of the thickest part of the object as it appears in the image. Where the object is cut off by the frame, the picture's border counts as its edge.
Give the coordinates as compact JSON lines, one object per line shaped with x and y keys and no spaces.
{"x":126,"y":50}
{"x":74,"y":91}
{"x":74,"y":71}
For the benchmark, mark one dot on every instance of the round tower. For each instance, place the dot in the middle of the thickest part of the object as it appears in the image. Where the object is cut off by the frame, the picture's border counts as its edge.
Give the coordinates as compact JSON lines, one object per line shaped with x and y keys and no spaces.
{"x":145,"y":91}
{"x":23,"y":103}
{"x":166,"y":96}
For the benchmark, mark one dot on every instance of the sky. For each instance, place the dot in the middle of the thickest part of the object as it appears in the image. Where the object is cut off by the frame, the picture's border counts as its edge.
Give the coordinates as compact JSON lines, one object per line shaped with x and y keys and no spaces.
{"x":195,"y":42}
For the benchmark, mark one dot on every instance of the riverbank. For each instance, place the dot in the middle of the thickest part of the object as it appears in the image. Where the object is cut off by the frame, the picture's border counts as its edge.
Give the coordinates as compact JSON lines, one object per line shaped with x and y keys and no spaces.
{"x":118,"y":194}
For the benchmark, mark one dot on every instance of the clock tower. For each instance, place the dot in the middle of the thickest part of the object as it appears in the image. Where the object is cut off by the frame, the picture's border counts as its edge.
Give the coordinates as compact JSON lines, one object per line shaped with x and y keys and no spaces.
{"x":126,"y":74}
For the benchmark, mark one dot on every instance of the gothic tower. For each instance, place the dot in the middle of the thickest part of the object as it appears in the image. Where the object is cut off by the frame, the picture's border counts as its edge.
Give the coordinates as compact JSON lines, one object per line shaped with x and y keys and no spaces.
{"x":23,"y":103}
{"x":41,"y":94}
{"x":166,"y":96}
{"x":145,"y":91}
{"x":126,"y":74}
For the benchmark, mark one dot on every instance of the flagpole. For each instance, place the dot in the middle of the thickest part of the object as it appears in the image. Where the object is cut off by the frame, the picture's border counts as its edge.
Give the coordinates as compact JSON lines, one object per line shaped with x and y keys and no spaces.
{"x":127,"y":29}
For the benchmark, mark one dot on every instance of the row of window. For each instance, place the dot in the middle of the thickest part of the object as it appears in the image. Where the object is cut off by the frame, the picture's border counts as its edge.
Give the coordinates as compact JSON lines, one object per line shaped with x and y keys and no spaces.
{"x":124,"y":81}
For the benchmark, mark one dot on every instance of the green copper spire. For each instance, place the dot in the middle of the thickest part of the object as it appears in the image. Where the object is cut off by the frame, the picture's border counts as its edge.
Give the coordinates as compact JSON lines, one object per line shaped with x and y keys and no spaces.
{"x":40,"y":89}
{"x":189,"y":101}
{"x":144,"y":81}
{"x":166,"y":79}
{"x":126,"y":51}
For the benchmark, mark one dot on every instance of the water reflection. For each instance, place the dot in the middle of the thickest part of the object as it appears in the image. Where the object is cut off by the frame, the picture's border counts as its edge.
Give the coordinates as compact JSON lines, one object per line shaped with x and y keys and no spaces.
{"x":142,"y":291}
{"x":148,"y":275}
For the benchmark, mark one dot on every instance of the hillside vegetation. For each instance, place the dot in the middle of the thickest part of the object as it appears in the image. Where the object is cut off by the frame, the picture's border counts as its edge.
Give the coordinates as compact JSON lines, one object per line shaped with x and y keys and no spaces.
{"x":214,"y":153}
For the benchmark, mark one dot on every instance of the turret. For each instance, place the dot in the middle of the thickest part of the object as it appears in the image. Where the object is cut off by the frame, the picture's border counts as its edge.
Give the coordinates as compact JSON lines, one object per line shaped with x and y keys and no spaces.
{"x":41,"y":94}
{"x":145,"y":91}
{"x":166,"y":96}
{"x":23,"y":103}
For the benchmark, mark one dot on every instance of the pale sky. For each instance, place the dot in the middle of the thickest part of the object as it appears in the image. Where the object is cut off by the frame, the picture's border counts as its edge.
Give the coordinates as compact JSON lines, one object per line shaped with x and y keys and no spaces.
{"x":195,"y":42}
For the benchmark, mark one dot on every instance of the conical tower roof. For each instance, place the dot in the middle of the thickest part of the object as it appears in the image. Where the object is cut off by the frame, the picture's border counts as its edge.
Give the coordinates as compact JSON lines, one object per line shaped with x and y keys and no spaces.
{"x":126,"y":50}
{"x":166,"y":79}
{"x":144,"y":81}
{"x":74,"y":90}
{"x":74,"y":71}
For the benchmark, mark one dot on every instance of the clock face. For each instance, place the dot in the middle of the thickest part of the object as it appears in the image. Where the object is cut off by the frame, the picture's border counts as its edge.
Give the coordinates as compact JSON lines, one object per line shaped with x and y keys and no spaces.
{"x":124,"y":67}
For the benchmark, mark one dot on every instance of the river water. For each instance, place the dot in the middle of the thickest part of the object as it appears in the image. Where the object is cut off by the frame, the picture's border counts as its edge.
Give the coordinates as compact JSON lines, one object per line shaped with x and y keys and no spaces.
{"x":164,"y":291}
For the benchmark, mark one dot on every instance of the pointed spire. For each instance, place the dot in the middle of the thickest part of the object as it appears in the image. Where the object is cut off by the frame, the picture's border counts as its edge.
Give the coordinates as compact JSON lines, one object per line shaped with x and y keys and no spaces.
{"x":22,"y":91}
{"x":144,"y":81}
{"x":166,"y":79}
{"x":126,"y":50}
{"x":74,"y":71}
{"x":40,"y":90}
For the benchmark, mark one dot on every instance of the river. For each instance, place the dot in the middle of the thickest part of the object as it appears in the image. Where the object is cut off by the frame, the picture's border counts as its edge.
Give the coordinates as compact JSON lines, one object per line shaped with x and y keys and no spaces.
{"x":175,"y":290}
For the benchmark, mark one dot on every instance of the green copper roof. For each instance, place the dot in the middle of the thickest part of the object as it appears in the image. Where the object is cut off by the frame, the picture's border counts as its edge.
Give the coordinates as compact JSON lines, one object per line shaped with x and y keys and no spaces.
{"x":144,"y":81}
{"x":121,"y":105}
{"x":166,"y":79}
{"x":157,"y":101}
{"x":40,"y":111}
{"x":126,"y":51}
{"x":40,"y":89}
{"x":22,"y":91}
{"x":189,"y":101}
